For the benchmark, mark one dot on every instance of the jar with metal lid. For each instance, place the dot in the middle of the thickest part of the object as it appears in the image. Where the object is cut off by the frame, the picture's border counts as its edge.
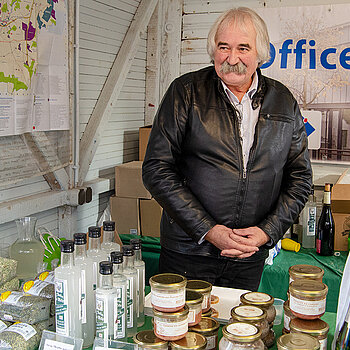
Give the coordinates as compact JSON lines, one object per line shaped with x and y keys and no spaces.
{"x":147,"y":340}
{"x":194,"y":302}
{"x":239,"y":336}
{"x":288,"y":316}
{"x":307,"y":298}
{"x":310,"y":272}
{"x":262,"y":300}
{"x":170,"y":325}
{"x":168,"y":292}
{"x":208,"y":313}
{"x":191,"y":341}
{"x":209,"y":328}
{"x":204,"y":288}
{"x":316,"y":328}
{"x":295,"y":341}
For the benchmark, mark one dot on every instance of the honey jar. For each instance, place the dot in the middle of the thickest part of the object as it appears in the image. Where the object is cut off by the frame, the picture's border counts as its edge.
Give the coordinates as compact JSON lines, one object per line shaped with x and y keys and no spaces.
{"x":204,"y":288}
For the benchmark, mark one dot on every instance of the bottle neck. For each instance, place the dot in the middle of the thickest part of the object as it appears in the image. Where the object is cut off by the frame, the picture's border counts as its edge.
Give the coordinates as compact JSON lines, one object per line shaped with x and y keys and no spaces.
{"x":326,"y":198}
{"x":118,"y":268}
{"x":128,"y":262}
{"x":80,"y":251}
{"x":106,"y":281}
{"x":108,"y":236}
{"x":67,"y":259}
{"x":94,"y":243}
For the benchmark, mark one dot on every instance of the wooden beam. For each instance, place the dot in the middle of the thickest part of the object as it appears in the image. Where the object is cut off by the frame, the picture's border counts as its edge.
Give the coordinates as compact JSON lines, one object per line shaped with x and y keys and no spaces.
{"x":112,"y":87}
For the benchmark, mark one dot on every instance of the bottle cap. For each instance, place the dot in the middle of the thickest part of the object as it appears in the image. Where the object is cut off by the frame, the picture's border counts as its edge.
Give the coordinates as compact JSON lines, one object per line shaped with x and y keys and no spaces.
{"x":79,"y":238}
{"x":116,"y":257}
{"x":108,"y":225}
{"x":95,"y":231}
{"x":127,"y":250}
{"x":106,"y":268}
{"x":67,"y":246}
{"x":136,"y":243}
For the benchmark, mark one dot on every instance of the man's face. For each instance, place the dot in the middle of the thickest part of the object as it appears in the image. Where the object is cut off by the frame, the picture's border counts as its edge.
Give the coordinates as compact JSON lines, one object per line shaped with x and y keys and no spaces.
{"x":235,"y":57}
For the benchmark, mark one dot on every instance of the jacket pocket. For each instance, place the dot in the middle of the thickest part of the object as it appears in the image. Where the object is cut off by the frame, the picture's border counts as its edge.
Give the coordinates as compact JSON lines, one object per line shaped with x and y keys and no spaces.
{"x":278,"y":118}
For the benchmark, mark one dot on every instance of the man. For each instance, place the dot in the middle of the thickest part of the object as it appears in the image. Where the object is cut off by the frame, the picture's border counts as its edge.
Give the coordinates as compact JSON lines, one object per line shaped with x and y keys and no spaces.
{"x":227,"y":159}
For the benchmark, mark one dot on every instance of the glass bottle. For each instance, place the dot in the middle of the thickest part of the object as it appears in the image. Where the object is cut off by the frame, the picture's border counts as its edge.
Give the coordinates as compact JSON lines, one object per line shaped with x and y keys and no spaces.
{"x":139,"y":265}
{"x":130,"y":273}
{"x":27,"y":250}
{"x":106,"y":303}
{"x":325,"y":227}
{"x":308,"y":220}
{"x":67,"y":296}
{"x":120,"y":283}
{"x":87,"y":297}
{"x":108,"y":245}
{"x":343,"y":338}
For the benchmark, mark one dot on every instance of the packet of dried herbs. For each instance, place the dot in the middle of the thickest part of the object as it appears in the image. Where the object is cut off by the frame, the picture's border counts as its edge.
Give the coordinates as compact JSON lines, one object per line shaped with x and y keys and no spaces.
{"x":10,"y":285}
{"x":4,"y":325}
{"x":18,"y":306}
{"x":8,"y":269}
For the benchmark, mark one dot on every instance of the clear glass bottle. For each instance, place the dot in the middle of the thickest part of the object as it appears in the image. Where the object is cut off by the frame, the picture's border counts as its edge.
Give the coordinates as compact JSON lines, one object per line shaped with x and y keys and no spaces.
{"x":343,"y":338}
{"x":67,"y":296}
{"x":308,"y":220}
{"x":139,"y":264}
{"x":106,"y":303}
{"x":131,"y":274}
{"x":87,"y":299}
{"x":120,"y":283}
{"x":108,"y":245}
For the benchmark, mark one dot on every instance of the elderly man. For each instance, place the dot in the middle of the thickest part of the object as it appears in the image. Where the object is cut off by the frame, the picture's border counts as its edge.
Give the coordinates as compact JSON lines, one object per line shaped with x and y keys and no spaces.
{"x":227,"y":159}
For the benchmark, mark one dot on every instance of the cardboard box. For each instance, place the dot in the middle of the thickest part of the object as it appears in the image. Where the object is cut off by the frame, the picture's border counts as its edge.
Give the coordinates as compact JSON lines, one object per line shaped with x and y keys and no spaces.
{"x":150,"y":214}
{"x":144,"y":132}
{"x":128,"y":181}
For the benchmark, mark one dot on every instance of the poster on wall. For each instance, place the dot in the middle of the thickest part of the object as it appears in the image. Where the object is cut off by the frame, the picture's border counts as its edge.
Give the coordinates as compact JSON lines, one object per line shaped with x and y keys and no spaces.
{"x":310,"y":53}
{"x":34,"y":93}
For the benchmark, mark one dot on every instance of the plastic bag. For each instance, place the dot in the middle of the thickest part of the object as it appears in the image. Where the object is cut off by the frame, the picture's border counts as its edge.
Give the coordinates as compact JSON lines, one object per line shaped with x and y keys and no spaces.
{"x":273,"y":253}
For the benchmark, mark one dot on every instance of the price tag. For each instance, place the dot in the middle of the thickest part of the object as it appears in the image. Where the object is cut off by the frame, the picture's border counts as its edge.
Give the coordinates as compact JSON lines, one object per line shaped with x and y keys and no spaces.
{"x":55,"y":345}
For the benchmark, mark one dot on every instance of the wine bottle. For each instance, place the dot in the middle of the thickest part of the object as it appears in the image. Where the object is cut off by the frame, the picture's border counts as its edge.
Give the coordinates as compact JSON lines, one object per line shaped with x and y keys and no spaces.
{"x":343,"y":339}
{"x":325,"y":227}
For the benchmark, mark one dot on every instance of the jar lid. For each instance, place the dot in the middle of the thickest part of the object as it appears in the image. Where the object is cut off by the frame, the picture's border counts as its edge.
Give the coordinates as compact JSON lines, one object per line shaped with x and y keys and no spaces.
{"x":148,"y":339}
{"x":306,"y":271}
{"x":199,"y":286}
{"x":308,"y":288}
{"x":168,"y":281}
{"x":108,"y":225}
{"x":242,"y":332}
{"x":208,"y":313}
{"x":313,"y":327}
{"x":193,"y":297}
{"x":257,"y":299}
{"x":300,"y":341}
{"x":173,"y":315}
{"x":248,"y":313}
{"x":191,"y":340}
{"x":207,"y":324}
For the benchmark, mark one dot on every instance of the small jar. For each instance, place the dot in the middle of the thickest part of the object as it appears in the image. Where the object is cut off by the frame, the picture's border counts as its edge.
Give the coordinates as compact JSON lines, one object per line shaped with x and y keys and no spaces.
{"x":288,"y":316}
{"x":191,"y":341}
{"x":209,"y":328}
{"x":297,"y":272}
{"x":147,"y":340}
{"x":295,"y":341}
{"x":262,"y":300}
{"x":194,"y":302}
{"x":307,"y":298}
{"x":168,"y":292}
{"x":239,"y":336}
{"x":170,"y":325}
{"x":204,"y":288}
{"x":316,"y":328}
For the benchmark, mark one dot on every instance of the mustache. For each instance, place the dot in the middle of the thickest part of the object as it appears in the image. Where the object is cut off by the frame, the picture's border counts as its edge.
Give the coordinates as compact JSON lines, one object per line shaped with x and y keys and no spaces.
{"x":239,"y":68}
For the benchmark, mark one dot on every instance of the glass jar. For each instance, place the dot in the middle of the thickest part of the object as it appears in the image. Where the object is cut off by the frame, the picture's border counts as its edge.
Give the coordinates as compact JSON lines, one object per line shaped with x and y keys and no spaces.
{"x":208,"y":313}
{"x":194,"y":302}
{"x":209,"y":328}
{"x":147,"y":340}
{"x":262,"y":300}
{"x":295,"y":341}
{"x":168,"y":292}
{"x":316,"y":328}
{"x":307,"y":298}
{"x":170,"y":326}
{"x":305,"y":271}
{"x":288,"y":316}
{"x":239,"y":336}
{"x":191,"y":341}
{"x":204,"y":288}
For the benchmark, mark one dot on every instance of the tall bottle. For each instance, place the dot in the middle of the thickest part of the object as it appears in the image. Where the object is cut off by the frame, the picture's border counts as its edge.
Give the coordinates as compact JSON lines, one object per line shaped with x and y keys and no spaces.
{"x":120,"y":283}
{"x":131,"y":274}
{"x":325,"y":227}
{"x":87,"y":296}
{"x":308,"y":220}
{"x":106,"y":303}
{"x":343,"y":339}
{"x":94,"y":252}
{"x":108,"y":245}
{"x":139,"y":265}
{"x":67,"y":296}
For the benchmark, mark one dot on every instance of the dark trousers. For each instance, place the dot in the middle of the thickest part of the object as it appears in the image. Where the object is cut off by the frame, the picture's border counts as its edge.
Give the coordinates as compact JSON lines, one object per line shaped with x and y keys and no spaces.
{"x":219,"y":272}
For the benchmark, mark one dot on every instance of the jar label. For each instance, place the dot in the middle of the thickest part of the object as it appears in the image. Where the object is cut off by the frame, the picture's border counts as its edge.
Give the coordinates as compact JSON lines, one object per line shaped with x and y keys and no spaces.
{"x":248,"y":311}
{"x":211,"y":342}
{"x":323,"y":344}
{"x":242,"y":329}
{"x":168,"y":300}
{"x":286,"y":322}
{"x":25,"y":330}
{"x":307,"y":307}
{"x":206,"y":303}
{"x":257,"y":296}
{"x":171,"y":329}
{"x":191,"y":316}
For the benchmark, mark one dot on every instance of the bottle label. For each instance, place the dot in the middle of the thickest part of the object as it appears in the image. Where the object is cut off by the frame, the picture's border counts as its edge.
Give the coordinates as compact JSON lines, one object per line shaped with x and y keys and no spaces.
{"x":138,"y":293}
{"x":311,"y":222}
{"x":168,"y":300}
{"x":102,"y":317}
{"x":318,"y":246}
{"x":82,"y":285}
{"x":121,"y":320}
{"x":172,"y":329}
{"x":130,"y":302}
{"x":25,"y":330}
{"x":94,"y":274}
{"x":35,"y":287}
{"x":307,"y":307}
{"x":61,"y":302}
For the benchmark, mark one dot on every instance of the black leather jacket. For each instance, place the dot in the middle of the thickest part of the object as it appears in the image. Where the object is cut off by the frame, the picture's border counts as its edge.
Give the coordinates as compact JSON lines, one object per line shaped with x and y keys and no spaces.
{"x":193,"y":164}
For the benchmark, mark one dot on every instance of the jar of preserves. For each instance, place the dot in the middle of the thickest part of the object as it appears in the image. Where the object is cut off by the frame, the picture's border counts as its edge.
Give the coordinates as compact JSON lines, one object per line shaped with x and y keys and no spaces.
{"x":147,"y":340}
{"x":208,"y":313}
{"x":170,"y":325}
{"x":209,"y":328}
{"x":262,"y":300}
{"x":168,"y":292}
{"x":191,"y":341}
{"x":204,"y":288}
{"x":295,"y":341}
{"x":194,"y":302}
{"x":310,"y":272}
{"x":239,"y":336}
{"x":288,"y":316}
{"x":316,"y":328}
{"x":307,"y":298}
